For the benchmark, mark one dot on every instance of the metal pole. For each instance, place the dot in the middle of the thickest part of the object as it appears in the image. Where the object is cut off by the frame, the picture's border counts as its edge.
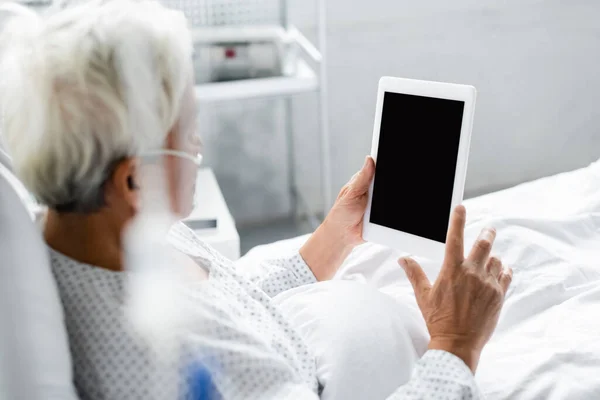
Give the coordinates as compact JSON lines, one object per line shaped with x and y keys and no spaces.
{"x":324,"y":109}
{"x":289,"y":127}
{"x":283,"y":9}
{"x":291,"y":157}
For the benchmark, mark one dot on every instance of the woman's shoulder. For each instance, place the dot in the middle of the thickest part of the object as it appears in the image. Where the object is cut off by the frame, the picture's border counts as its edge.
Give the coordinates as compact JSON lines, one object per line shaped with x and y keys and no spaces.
{"x":62,"y":264}
{"x":185,"y":240}
{"x":73,"y":277}
{"x":220,"y":268}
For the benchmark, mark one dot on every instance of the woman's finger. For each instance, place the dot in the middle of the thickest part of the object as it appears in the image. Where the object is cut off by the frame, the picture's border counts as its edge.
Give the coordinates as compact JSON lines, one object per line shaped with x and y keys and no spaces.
{"x":506,"y":279}
{"x":483,"y":247}
{"x":455,"y":249}
{"x":417,"y":277}
{"x":362,"y":180}
{"x":494,"y":267}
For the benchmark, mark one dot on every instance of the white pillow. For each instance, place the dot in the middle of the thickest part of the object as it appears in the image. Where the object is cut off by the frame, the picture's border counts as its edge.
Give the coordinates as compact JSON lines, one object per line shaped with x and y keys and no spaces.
{"x":35,"y":361}
{"x":366,"y":343}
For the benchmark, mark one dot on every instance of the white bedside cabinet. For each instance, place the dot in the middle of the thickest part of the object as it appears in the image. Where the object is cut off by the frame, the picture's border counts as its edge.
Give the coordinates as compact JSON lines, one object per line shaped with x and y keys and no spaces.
{"x":211,"y":207}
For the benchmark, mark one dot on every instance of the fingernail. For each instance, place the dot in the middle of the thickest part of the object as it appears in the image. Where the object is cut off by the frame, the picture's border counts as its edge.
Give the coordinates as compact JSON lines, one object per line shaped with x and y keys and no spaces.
{"x":487,"y":234}
{"x":366,"y":162}
{"x":402,"y":262}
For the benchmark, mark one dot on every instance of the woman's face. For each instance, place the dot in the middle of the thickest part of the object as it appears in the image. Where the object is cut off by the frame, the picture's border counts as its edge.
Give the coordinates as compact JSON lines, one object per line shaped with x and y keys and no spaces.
{"x":181,"y":172}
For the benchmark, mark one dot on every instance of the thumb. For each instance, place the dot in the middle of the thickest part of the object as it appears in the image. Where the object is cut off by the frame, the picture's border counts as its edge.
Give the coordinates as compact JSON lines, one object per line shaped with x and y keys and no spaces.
{"x":416,"y":276}
{"x":364,"y":177}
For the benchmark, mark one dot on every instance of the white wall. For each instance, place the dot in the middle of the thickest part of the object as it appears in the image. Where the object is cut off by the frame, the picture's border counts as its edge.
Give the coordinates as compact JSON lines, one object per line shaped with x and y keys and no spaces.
{"x":535,"y":64}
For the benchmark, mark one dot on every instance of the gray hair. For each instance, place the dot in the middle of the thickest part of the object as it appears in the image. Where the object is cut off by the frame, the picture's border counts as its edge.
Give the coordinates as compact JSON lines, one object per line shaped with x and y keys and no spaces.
{"x":84,"y":86}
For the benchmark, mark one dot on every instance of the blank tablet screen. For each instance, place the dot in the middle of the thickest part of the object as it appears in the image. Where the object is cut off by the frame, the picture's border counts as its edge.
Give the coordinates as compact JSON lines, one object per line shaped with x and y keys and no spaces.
{"x":416,"y":164}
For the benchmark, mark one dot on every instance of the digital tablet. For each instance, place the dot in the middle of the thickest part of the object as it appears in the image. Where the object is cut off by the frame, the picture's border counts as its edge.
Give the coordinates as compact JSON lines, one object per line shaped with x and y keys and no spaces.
{"x":420,"y":146}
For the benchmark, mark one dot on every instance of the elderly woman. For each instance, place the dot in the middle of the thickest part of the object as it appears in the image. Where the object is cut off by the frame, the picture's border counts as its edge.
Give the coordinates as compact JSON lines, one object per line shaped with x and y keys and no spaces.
{"x":90,"y":93}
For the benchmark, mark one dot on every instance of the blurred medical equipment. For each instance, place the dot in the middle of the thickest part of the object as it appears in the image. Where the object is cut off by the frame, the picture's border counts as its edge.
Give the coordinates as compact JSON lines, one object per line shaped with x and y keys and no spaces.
{"x":249,"y":49}
{"x":232,"y":53}
{"x":201,"y":224}
{"x":211,"y":219}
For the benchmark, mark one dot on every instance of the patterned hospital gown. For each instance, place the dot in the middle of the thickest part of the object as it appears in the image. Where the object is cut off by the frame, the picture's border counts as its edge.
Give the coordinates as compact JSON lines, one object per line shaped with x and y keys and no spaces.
{"x":248,"y":346}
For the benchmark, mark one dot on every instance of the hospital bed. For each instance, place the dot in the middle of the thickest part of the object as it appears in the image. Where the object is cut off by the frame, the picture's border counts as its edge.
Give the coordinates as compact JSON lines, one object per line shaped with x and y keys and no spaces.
{"x":547,"y":344}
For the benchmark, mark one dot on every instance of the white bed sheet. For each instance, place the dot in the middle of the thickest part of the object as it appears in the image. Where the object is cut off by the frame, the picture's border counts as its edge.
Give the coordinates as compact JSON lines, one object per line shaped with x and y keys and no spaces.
{"x":547,"y":344}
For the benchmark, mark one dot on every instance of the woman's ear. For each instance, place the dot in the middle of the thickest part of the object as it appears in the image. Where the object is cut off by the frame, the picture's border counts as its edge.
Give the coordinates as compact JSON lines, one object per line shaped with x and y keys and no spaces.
{"x":131,"y":183}
{"x":122,"y":190}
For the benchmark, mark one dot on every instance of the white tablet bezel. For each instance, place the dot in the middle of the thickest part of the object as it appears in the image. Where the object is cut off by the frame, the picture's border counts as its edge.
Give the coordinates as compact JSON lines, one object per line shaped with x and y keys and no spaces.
{"x":403,"y":241}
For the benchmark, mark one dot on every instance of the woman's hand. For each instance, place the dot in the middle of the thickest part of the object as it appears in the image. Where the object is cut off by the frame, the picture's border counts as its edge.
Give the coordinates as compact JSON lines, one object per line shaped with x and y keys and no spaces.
{"x":346,"y":215}
{"x":332,"y":242}
{"x":462,"y":307}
